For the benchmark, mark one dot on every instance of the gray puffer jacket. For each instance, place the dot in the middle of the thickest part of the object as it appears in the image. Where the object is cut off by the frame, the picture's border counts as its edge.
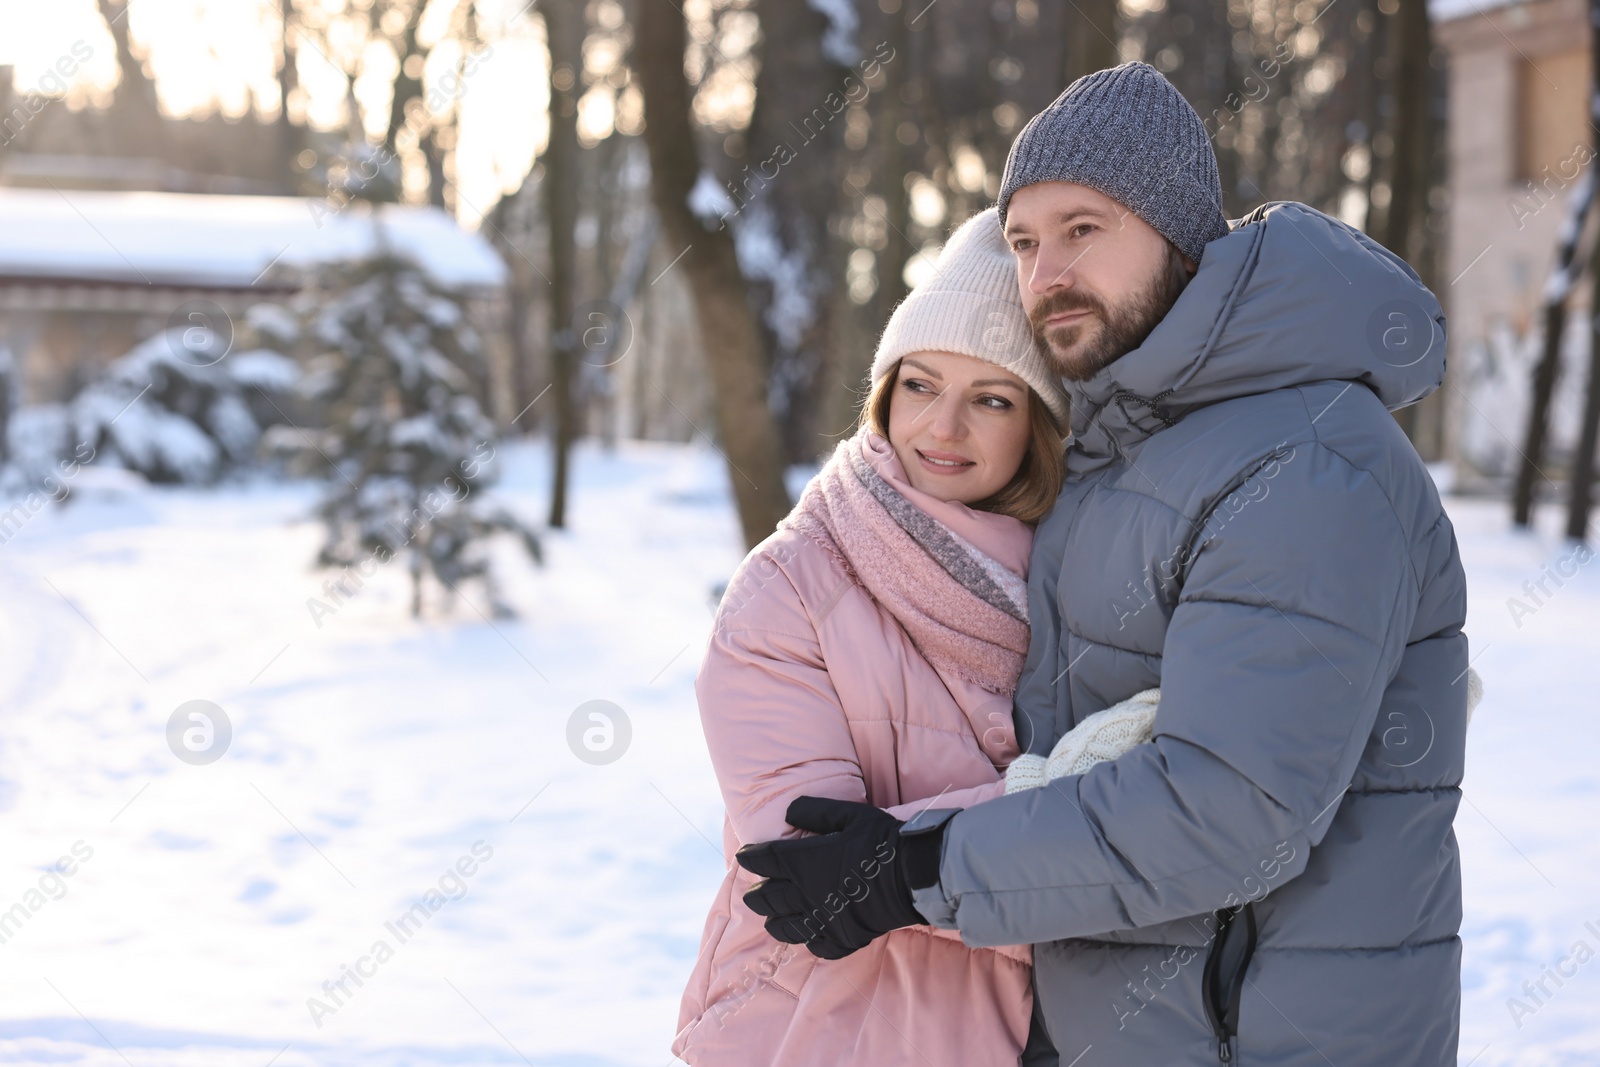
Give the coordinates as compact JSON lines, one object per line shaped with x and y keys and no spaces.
{"x":1273,"y":880}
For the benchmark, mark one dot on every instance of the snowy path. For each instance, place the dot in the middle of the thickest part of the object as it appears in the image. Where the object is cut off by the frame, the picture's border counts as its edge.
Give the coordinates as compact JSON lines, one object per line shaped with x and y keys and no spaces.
{"x":372,"y":755}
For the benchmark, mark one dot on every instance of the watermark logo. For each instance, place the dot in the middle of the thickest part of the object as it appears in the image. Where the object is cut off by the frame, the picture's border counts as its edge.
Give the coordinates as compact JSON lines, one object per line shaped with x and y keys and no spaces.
{"x":599,"y":732}
{"x":199,"y":332}
{"x":1401,"y":333}
{"x":199,"y":732}
{"x":1538,"y":592}
{"x":1537,"y":993}
{"x":604,"y":333}
{"x":1408,"y":737}
{"x":451,"y":886}
{"x":52,"y":885}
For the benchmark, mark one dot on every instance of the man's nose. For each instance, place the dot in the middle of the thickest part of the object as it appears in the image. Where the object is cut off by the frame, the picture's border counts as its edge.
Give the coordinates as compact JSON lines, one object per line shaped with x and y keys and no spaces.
{"x":1052,"y":269}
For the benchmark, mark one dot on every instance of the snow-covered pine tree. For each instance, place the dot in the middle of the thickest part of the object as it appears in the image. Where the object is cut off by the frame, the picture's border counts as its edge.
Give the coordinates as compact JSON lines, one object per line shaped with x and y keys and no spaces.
{"x":394,"y":362}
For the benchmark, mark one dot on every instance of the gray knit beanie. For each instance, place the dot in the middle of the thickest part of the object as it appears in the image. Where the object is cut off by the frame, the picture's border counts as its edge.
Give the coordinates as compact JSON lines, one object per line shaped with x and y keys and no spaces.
{"x":972,"y":306}
{"x":1127,"y":132}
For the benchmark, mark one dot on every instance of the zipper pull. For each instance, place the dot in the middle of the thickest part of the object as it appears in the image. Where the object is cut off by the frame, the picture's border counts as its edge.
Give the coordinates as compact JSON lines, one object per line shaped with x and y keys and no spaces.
{"x":1224,"y":1051}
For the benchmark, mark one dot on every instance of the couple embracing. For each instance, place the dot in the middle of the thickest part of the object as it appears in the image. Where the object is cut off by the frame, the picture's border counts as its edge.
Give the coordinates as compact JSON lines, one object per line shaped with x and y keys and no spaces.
{"x":1104,"y":698}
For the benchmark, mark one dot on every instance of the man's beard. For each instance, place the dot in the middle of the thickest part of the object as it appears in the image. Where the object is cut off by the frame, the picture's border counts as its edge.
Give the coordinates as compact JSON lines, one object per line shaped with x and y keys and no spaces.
{"x":1080,"y":350}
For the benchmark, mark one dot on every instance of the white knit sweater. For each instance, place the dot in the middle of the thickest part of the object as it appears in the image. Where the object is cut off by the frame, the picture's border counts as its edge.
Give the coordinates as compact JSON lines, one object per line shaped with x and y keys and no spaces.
{"x":1107,"y":734}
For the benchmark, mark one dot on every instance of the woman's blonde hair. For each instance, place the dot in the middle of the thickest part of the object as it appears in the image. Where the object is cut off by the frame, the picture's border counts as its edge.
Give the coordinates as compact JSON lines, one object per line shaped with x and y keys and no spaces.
{"x":1032,"y":491}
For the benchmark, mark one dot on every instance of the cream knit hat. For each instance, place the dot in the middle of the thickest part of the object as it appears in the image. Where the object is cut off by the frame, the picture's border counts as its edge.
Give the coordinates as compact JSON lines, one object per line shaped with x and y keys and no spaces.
{"x":971,"y":307}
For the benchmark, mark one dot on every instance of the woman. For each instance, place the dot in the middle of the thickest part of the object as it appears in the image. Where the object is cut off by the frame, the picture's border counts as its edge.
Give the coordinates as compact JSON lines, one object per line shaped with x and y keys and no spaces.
{"x":867,"y":651}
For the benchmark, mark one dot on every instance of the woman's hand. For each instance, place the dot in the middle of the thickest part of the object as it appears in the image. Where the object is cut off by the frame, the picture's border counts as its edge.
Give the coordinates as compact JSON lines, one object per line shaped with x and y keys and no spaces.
{"x":836,"y":891}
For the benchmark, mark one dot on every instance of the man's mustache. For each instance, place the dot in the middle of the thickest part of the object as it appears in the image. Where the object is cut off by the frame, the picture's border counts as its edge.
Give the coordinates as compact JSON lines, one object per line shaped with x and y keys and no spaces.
{"x":1062,"y":300}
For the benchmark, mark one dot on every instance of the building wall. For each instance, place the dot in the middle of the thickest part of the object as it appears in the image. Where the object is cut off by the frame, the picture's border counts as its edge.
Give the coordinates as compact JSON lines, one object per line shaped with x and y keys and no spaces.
{"x":63,"y":334}
{"x":1519,"y":81}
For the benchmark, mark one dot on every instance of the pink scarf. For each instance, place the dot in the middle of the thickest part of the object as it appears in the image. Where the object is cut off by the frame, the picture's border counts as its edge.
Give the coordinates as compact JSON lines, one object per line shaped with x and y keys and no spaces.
{"x":965,"y":608}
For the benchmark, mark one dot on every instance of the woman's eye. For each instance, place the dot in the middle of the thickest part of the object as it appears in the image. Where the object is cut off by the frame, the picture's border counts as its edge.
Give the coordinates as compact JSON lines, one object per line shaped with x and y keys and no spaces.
{"x":915,"y":386}
{"x":999,"y":403}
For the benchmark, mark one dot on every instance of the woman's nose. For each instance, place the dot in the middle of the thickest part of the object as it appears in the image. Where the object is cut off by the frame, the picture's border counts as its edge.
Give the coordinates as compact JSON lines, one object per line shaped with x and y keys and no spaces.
{"x":948,"y":422}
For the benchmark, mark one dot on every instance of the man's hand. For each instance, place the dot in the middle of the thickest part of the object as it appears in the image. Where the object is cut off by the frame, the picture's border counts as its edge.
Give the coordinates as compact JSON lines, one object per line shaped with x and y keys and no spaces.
{"x":836,"y":892}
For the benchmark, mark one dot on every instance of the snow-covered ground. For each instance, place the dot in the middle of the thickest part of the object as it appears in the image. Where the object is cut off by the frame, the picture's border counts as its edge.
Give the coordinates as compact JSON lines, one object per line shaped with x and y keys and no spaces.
{"x":375,"y":759}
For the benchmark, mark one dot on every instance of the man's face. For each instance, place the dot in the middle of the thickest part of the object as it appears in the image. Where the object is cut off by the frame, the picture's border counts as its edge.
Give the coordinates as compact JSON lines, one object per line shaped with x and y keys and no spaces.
{"x":1095,"y":277}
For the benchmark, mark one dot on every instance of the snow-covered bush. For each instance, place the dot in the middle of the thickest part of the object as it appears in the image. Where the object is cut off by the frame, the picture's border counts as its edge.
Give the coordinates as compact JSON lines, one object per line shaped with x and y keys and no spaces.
{"x":165,"y":410}
{"x":394,"y":363}
{"x":174,"y":420}
{"x":38,"y":446}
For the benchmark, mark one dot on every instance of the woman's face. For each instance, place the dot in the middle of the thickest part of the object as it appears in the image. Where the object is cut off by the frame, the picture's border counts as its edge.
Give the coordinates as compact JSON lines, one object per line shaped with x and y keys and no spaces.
{"x":959,"y":426}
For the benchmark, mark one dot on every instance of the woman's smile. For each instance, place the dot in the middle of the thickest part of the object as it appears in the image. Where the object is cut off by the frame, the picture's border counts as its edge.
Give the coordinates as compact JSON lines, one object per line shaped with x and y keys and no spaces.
{"x":943,"y":462}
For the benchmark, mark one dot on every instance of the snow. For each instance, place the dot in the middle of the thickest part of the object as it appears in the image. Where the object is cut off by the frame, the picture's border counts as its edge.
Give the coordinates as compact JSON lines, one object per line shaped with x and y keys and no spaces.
{"x":708,"y":200}
{"x":274,"y":321}
{"x":1446,"y":10}
{"x":763,"y":257}
{"x":839,"y":39}
{"x":370,"y":753}
{"x":1494,"y":376}
{"x":220,"y":241}
{"x":264,"y":369}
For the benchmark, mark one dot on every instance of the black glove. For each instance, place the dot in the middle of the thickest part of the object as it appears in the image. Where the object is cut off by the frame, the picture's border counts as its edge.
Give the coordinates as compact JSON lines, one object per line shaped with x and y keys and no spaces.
{"x":836,"y":892}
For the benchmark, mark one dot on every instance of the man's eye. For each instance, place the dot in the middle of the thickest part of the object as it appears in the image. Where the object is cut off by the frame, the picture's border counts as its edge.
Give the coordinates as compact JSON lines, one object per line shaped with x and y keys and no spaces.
{"x":1022,"y":244}
{"x":1083,"y":229}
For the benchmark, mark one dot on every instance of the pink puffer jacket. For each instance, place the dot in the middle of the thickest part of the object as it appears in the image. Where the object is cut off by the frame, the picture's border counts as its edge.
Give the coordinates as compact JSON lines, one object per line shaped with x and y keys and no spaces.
{"x":810,"y":687}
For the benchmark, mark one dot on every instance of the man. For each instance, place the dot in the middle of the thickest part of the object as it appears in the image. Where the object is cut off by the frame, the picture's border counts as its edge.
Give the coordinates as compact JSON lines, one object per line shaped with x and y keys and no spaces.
{"x":1274,"y":878}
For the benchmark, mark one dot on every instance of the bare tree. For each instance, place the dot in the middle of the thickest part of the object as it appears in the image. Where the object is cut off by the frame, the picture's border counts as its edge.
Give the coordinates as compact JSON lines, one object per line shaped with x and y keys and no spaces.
{"x":729,"y":331}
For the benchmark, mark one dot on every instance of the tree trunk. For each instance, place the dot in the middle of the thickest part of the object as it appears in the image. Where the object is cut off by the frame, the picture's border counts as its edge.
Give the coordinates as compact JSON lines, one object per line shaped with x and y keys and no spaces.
{"x":290,"y":139}
{"x":1581,"y":498}
{"x":899,"y":85}
{"x":564,"y":29}
{"x":137,"y":92}
{"x":1409,"y":44}
{"x":10,"y":398}
{"x":728,"y":328}
{"x":1582,"y":487}
{"x":1409,"y":152}
{"x":791,"y":194}
{"x":435,"y":157}
{"x":1545,"y":372}
{"x":406,"y":88}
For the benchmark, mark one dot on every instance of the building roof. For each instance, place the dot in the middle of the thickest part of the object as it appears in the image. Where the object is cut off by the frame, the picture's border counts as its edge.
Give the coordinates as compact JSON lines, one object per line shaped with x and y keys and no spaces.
{"x":1446,"y":10}
{"x":191,"y":239}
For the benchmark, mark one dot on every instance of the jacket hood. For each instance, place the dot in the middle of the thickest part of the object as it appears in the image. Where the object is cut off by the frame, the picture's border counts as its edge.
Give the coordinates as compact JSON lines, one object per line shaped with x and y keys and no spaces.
{"x":1288,"y":297}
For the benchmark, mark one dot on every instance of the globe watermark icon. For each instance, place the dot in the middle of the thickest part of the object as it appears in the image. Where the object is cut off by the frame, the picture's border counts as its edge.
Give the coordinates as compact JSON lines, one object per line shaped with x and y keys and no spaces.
{"x":199,"y":732}
{"x":598,"y":732}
